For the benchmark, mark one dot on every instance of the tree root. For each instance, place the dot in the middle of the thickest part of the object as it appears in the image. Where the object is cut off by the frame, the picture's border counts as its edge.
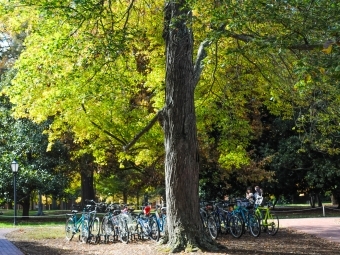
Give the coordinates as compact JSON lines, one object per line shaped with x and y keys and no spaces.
{"x":199,"y":245}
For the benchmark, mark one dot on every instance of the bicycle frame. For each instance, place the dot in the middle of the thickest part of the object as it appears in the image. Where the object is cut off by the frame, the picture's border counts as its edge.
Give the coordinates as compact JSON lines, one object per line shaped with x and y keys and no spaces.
{"x":250,"y":220}
{"x":148,"y":227}
{"x":263,"y":213}
{"x":269,"y":221}
{"x":74,"y":224}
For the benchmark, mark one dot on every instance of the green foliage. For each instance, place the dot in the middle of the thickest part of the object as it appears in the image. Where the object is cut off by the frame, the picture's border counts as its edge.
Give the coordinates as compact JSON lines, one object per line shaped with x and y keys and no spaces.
{"x":100,"y":76}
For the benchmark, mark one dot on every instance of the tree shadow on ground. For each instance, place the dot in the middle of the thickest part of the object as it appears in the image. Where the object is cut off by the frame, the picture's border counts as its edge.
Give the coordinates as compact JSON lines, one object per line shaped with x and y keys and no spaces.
{"x":285,"y":242}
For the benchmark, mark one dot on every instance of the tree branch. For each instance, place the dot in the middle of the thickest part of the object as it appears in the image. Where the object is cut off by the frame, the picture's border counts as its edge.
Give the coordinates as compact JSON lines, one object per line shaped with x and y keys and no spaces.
{"x":143,"y":131}
{"x":105,"y":131}
{"x":306,"y":47}
{"x":249,"y":38}
{"x":201,"y":54}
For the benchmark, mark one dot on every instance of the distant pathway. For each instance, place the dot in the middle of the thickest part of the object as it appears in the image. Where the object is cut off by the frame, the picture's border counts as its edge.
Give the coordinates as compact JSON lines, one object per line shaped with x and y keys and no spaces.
{"x":6,"y":247}
{"x":324,"y":227}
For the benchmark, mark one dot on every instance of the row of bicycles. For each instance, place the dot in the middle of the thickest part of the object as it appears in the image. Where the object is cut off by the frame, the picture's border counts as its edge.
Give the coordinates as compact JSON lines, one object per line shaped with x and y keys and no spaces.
{"x":238,"y":217}
{"x":117,"y":224}
{"x":121,"y":223}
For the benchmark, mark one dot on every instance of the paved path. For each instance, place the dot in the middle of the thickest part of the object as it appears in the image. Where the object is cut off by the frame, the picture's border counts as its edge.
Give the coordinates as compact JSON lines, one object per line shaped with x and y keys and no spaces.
{"x":6,"y":247}
{"x":327,"y":227}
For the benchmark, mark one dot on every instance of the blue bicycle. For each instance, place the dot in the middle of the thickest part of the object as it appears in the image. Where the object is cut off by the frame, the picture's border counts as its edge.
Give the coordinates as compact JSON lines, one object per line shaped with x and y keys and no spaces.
{"x":160,"y":215}
{"x":147,"y":226}
{"x":226,"y":220}
{"x":77,"y":225}
{"x":250,"y":222}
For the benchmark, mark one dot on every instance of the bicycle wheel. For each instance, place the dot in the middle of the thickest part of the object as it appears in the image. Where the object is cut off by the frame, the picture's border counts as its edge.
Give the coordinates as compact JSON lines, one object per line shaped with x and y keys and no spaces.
{"x":123,"y":231}
{"x":84,"y":236}
{"x":94,"y":231}
{"x":272,"y":224}
{"x":154,"y":233}
{"x":223,"y":224}
{"x":69,"y":229}
{"x":254,"y":225}
{"x":235,"y":226}
{"x":106,"y":227}
{"x":212,"y":227}
{"x":140,"y":231}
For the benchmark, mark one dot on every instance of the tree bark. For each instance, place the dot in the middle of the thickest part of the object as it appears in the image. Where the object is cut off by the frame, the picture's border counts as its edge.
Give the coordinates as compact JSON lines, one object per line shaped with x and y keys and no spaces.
{"x":181,"y":146}
{"x":86,"y":173}
{"x":40,"y":205}
{"x":25,"y":207}
{"x":87,"y":188}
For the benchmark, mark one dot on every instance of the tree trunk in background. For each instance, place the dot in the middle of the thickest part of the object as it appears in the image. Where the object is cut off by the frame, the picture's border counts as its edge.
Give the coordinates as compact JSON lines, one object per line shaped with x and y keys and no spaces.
{"x":125,"y":196}
{"x":25,"y":207}
{"x":319,"y":200}
{"x":86,"y":173}
{"x":87,"y":188}
{"x":182,"y":159}
{"x":336,"y":198}
{"x":312,"y":199}
{"x":54,"y":204}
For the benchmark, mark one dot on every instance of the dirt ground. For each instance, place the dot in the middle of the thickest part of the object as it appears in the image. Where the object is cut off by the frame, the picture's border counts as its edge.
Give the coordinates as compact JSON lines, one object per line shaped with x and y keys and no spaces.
{"x":286,"y":241}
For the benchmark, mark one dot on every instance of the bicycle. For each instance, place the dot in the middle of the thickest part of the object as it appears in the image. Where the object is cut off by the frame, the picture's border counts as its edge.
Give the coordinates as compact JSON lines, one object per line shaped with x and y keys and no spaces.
{"x":208,"y":220}
{"x":93,"y":221}
{"x":226,"y":221}
{"x":269,"y":221}
{"x":114,"y":224}
{"x":147,"y":226}
{"x":75,"y":225}
{"x":160,"y":215}
{"x":221,"y":217}
{"x":250,"y":221}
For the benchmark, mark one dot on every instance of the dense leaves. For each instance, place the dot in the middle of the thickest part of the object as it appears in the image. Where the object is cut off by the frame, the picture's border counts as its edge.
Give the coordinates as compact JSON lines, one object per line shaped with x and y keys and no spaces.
{"x":267,"y":102}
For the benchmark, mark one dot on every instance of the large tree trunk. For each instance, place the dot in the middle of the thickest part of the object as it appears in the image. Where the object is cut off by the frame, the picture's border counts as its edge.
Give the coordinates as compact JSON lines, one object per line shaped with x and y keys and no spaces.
{"x":86,"y":174}
{"x":87,"y":188}
{"x":182,"y":160}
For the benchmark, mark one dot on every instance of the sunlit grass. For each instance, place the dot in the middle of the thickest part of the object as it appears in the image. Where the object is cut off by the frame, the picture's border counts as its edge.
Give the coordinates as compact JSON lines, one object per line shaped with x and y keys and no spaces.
{"x":39,"y":233}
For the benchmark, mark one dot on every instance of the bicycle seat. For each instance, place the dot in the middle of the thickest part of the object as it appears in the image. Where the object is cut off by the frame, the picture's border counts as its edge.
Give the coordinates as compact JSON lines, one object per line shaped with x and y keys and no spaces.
{"x":74,"y":211}
{"x":116,"y":212}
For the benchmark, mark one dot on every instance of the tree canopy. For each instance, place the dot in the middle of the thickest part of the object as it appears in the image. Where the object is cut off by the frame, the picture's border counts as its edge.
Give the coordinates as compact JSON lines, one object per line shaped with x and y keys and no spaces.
{"x":265,"y":82}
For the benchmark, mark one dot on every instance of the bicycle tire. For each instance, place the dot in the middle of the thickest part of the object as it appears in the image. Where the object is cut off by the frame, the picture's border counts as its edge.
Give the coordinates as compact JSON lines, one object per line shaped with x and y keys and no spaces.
{"x":84,"y":236}
{"x":140,"y":231}
{"x":154,"y":230}
{"x":69,"y":229}
{"x":235,"y":226}
{"x":106,"y":227}
{"x":223,"y":224}
{"x":123,"y":231}
{"x":212,"y":227}
{"x":218,"y":222}
{"x":94,"y":231}
{"x":272,"y":224}
{"x":254,"y":225}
